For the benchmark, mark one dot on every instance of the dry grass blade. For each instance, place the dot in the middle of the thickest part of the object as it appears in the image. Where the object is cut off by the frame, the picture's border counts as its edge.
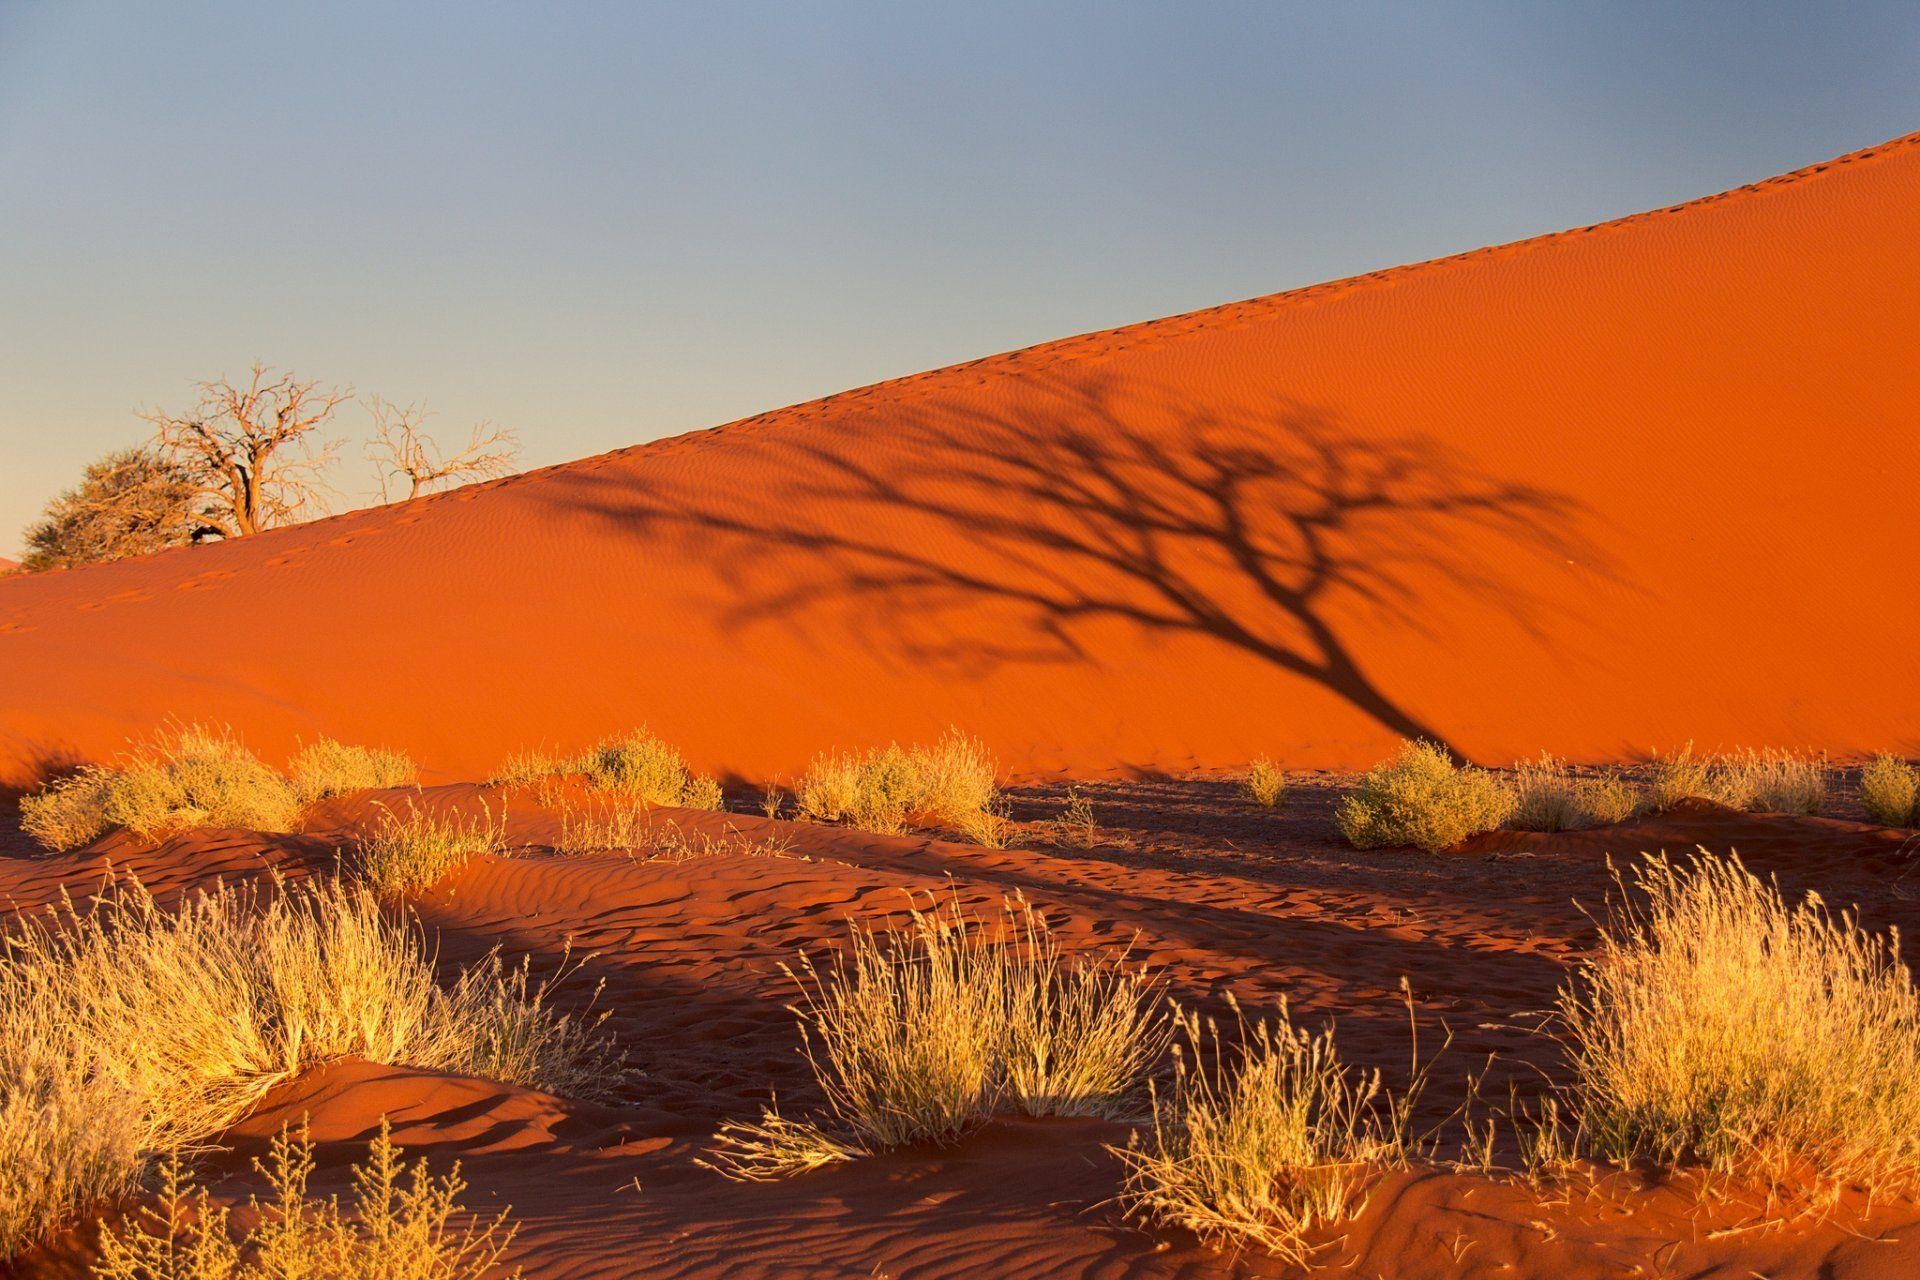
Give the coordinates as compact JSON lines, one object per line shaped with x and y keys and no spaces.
{"x":1258,"y":1143}
{"x":1549,"y":796}
{"x":1421,"y":798}
{"x":332,"y":768}
{"x":949,"y":786}
{"x":916,"y":1036}
{"x":1718,"y":1024}
{"x":127,"y":1029}
{"x":407,"y":854}
{"x":403,"y":1224}
{"x":193,"y":777}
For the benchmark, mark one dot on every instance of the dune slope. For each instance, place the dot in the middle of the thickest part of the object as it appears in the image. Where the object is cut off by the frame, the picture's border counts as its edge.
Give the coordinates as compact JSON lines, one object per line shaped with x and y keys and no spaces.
{"x":1597,"y":492}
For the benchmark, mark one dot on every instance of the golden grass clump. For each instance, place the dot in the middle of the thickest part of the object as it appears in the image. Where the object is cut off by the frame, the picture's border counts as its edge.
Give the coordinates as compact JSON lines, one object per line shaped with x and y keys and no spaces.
{"x":332,"y":768}
{"x":1548,"y":796}
{"x":1771,"y":781}
{"x":642,"y":767}
{"x":1421,"y":798}
{"x":170,"y":1025}
{"x":916,"y":1036}
{"x":525,"y":768}
{"x":1890,"y":791}
{"x":949,"y":785}
{"x":1265,"y":784}
{"x":1258,"y":1144}
{"x":407,"y":854}
{"x":1717,"y":1024}
{"x":403,"y":1224}
{"x":195,"y":777}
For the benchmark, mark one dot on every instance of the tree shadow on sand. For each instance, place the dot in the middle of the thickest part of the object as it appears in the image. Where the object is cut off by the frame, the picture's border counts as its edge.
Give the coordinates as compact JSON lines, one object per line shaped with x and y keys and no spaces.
{"x":963,"y":536}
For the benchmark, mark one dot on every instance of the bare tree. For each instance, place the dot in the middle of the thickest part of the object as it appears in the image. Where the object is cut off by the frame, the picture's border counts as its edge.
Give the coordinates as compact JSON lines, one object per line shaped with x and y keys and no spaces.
{"x":127,"y":504}
{"x":252,"y":450}
{"x":404,"y":453}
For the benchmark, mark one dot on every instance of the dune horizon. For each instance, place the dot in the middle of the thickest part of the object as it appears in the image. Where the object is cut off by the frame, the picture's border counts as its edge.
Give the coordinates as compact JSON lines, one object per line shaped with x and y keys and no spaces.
{"x":1599,"y":492}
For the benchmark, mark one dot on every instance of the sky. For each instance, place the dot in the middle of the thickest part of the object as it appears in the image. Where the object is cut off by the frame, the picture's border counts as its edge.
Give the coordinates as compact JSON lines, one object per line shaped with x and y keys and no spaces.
{"x":597,"y":224}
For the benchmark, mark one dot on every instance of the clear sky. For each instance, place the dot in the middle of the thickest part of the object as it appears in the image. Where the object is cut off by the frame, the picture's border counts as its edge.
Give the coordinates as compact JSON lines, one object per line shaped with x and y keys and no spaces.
{"x":601,"y":223}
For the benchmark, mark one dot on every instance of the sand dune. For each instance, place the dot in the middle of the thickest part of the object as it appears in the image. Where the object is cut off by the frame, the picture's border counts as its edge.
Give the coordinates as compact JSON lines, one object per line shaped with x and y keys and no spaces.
{"x":1215,"y":896}
{"x":1600,"y":491}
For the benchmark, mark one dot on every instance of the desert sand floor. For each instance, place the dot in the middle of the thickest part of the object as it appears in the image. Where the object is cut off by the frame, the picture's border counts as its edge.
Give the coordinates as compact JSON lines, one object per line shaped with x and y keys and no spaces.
{"x":1219,"y":896}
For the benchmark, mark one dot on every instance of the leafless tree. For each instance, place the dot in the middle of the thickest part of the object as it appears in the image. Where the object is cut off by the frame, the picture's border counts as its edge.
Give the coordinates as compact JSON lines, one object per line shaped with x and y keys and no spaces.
{"x":253,"y":449}
{"x":127,"y":504}
{"x":406,"y":456}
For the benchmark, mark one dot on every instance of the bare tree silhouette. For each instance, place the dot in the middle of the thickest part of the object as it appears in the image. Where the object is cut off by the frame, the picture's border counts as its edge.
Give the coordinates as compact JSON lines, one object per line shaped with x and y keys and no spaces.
{"x":1093,"y":503}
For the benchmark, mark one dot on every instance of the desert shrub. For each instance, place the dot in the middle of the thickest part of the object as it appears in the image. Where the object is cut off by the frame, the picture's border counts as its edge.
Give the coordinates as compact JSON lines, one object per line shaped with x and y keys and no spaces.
{"x":524,"y":768}
{"x":1548,"y":796}
{"x":1781,"y":781}
{"x":704,"y":793}
{"x":1257,"y":1144}
{"x":1076,"y":826}
{"x":1265,"y":784}
{"x":406,"y":854}
{"x":195,"y":777}
{"x":1890,"y":791}
{"x":403,"y":1224}
{"x":1716,"y":1023}
{"x":332,"y":768}
{"x":950,"y":785}
{"x":170,"y":1025}
{"x":641,"y":766}
{"x":1776,"y":781}
{"x":599,"y":828}
{"x":1421,"y":798}
{"x":915,"y":1036}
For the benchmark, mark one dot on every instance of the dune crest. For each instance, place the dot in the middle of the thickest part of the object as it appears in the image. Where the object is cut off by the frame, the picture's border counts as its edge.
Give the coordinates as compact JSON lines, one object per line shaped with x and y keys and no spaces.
{"x":1599,"y":491}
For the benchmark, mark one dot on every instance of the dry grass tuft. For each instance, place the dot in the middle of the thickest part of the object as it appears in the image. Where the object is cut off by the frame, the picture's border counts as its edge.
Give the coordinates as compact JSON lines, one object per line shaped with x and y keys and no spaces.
{"x":640,"y":766}
{"x":1890,"y":791}
{"x":916,"y":1036}
{"x":195,"y":777}
{"x":526,"y":768}
{"x":1718,"y":1024}
{"x":1421,"y":798}
{"x":949,"y":785}
{"x":128,"y":1029}
{"x":1259,"y":1144}
{"x":1773,"y":781}
{"x":1548,"y":796}
{"x":403,"y":1224}
{"x":407,"y":854}
{"x":331,"y":768}
{"x":1265,"y":784}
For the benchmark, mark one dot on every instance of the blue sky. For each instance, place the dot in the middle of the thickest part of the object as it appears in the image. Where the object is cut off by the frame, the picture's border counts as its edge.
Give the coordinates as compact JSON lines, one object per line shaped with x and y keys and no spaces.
{"x":601,"y":223}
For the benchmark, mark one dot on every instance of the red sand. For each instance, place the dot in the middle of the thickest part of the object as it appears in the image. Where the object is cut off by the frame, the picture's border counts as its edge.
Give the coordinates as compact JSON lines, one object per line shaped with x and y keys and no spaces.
{"x":1213,"y":894}
{"x":1596,"y":492}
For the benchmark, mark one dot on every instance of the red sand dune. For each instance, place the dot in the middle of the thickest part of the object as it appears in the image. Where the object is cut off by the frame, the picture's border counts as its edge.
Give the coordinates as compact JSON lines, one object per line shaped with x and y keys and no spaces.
{"x":1214,"y":895}
{"x":1596,"y":492}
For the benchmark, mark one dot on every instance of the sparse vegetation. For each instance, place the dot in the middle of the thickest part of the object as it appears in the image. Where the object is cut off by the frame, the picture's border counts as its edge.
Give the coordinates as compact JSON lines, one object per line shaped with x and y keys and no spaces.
{"x":642,"y":767}
{"x":403,"y":1224}
{"x":1718,"y":1024}
{"x":1265,"y":784}
{"x":1548,"y":796}
{"x":128,"y":1029}
{"x":1772,"y":781}
{"x":915,"y":1036}
{"x":332,"y":768}
{"x":406,"y":854}
{"x":1890,"y":791}
{"x":949,"y":785}
{"x":1076,"y":826}
{"x":1257,"y":1144}
{"x":525,"y":768}
{"x":1421,"y":798}
{"x":195,"y":777}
